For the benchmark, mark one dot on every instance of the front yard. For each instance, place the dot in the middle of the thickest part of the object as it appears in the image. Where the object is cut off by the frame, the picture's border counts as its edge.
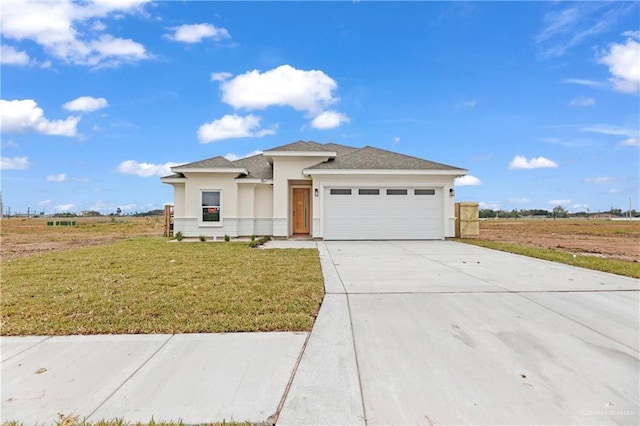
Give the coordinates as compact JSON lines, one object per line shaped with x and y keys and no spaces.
{"x":146,"y":285}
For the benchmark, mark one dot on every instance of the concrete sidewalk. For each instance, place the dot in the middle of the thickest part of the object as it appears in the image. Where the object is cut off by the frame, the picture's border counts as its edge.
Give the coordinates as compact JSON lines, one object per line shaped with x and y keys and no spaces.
{"x":192,"y":377}
{"x":412,"y":332}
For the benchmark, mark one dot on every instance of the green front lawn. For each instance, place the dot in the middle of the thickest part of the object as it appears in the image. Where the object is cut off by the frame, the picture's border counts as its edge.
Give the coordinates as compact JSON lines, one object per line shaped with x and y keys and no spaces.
{"x":147,"y":285}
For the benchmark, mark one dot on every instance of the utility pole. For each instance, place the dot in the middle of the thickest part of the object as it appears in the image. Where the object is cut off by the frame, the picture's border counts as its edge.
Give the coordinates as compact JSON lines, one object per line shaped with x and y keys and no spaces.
{"x":28,"y":212}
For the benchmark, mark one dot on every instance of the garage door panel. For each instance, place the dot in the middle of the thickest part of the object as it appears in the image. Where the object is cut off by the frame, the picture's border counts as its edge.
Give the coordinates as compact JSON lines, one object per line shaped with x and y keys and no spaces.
{"x":383,"y":217}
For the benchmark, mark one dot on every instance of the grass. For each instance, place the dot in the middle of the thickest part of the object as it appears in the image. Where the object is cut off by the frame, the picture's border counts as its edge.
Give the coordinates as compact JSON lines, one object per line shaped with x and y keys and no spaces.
{"x":146,"y":285}
{"x":614,"y":266}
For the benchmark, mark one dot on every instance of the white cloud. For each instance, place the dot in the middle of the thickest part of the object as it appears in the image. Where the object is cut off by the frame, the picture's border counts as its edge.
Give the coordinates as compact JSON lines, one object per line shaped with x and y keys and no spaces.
{"x":632,"y":34}
{"x":10,"y":56}
{"x":64,"y":30}
{"x":493,"y":205}
{"x":14,"y":163}
{"x":467,"y":180}
{"x":583,"y":82}
{"x":194,"y":33}
{"x":623,"y":61}
{"x":86,"y":104}
{"x":310,"y":91}
{"x":615,"y":191}
{"x":232,"y":126}
{"x":630,"y":142}
{"x":579,"y":207}
{"x":599,"y":180}
{"x":61,"y":177}
{"x":632,"y":135}
{"x":468,"y":104}
{"x":128,"y":207}
{"x":396,"y":140}
{"x":233,"y":157}
{"x":566,"y":27}
{"x":220,"y":76}
{"x":582,"y":101}
{"x":24,"y":115}
{"x":44,"y":202}
{"x":519,"y":162}
{"x":132,"y":167}
{"x":64,"y":207}
{"x":519,"y":200}
{"x":559,"y":202}
{"x":329,"y":120}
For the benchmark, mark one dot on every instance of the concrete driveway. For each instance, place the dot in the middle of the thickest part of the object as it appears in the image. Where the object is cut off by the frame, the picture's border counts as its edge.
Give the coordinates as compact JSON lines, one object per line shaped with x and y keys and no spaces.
{"x":446,"y":333}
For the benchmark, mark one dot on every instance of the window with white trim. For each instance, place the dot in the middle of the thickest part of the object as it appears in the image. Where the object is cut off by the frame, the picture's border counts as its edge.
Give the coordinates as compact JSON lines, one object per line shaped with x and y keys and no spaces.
{"x":211,"y":206}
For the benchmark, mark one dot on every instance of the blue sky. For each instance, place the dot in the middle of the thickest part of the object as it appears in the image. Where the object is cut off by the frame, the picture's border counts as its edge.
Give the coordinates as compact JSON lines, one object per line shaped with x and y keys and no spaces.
{"x":538,"y":100}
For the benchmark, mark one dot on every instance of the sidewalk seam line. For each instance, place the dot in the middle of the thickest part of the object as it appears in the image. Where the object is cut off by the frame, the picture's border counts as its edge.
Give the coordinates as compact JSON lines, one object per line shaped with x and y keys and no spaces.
{"x":276,"y":415}
{"x":353,"y":340}
{"x":130,"y":376}
{"x":26,"y":349}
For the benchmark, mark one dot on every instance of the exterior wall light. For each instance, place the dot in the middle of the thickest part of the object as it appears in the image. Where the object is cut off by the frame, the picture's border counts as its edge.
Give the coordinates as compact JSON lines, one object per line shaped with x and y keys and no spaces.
{"x":452,"y":192}
{"x":315,"y":192}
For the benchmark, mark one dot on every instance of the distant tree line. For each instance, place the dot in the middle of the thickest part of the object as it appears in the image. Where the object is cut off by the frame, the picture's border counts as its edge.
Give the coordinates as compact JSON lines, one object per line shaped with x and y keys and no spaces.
{"x":556,"y":212}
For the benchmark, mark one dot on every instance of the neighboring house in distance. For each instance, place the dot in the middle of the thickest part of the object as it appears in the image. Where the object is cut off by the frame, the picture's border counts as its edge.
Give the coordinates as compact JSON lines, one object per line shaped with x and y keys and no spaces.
{"x":325,"y":191}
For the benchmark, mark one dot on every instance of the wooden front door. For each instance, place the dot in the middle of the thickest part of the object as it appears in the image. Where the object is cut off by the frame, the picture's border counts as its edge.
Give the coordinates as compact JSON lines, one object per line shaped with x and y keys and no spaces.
{"x":301,"y":210}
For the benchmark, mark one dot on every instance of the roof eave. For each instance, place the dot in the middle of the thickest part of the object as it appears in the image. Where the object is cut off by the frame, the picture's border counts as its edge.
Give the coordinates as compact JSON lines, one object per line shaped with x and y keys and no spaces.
{"x":329,"y":154}
{"x":171,"y":180}
{"x":431,"y":172}
{"x":232,"y":170}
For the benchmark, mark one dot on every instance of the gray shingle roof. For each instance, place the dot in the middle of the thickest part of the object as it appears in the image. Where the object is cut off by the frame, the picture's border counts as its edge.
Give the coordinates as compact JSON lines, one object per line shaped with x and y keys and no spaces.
{"x":339,"y":149}
{"x":301,"y":146}
{"x":257,"y":165}
{"x":370,"y":158}
{"x":218,"y":162}
{"x":347,"y":158}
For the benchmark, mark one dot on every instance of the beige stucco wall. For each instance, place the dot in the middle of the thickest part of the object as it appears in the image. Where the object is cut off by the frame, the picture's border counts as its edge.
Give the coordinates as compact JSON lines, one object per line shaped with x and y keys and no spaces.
{"x":263,"y":201}
{"x":246,"y":199}
{"x":178,"y":199}
{"x":197,"y":182}
{"x":284,"y":170}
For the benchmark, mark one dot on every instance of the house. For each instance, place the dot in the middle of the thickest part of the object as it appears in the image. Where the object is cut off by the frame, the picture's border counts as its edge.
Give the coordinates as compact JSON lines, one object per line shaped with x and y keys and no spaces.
{"x":324,"y":191}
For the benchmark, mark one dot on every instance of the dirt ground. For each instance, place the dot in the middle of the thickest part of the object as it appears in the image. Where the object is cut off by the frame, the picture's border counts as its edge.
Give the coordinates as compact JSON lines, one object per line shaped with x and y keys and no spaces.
{"x":604,"y":238}
{"x":616,"y":239}
{"x":21,"y":237}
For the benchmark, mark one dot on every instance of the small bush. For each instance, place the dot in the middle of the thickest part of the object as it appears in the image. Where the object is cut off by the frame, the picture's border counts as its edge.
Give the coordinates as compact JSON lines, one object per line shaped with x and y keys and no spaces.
{"x":202,"y":238}
{"x":253,"y":237}
{"x":260,"y":241}
{"x":179,"y":236}
{"x":226,"y":237}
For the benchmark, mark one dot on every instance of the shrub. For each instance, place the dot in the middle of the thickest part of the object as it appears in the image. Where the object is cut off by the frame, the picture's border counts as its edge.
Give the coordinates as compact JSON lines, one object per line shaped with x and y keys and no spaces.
{"x":202,"y":238}
{"x":253,"y":237}
{"x":226,"y":237}
{"x":179,"y":236}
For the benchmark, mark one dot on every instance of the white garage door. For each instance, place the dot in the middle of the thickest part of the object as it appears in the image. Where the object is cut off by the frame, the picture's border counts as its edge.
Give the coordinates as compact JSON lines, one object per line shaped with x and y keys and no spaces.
{"x":383,"y":213}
